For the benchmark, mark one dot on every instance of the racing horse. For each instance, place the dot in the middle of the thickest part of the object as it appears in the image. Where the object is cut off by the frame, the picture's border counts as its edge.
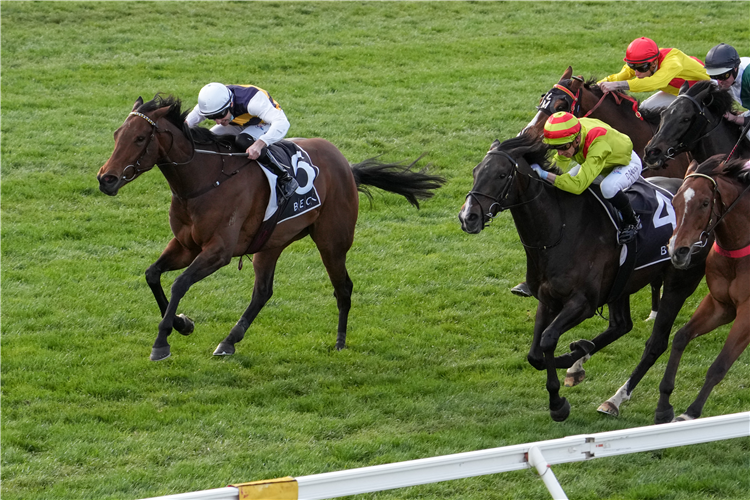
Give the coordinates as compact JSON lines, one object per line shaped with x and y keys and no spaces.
{"x":713,"y":198}
{"x":218,"y":206}
{"x":694,"y":122}
{"x":572,"y":258}
{"x":620,"y":111}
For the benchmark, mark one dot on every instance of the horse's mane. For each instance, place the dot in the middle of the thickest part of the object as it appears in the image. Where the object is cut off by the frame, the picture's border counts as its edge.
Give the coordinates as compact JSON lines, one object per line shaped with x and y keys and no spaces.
{"x":176,"y":116}
{"x":735,"y":169}
{"x":532,"y":149}
{"x":720,"y":101}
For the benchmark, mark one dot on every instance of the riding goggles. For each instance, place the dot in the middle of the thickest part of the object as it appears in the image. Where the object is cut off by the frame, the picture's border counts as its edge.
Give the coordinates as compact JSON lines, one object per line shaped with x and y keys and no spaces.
{"x":219,"y":115}
{"x":723,"y":76}
{"x":561,"y":147}
{"x":641,"y":67}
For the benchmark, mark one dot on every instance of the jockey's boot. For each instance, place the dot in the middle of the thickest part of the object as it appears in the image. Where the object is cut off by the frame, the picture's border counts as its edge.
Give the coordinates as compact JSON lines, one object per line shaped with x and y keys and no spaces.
{"x":630,"y":223}
{"x":286,"y":184}
{"x":521,"y":289}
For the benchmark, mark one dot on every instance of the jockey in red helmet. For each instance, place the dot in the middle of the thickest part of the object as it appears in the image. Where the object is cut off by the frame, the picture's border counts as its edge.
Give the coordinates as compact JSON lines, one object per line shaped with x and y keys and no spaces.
{"x":648,"y":68}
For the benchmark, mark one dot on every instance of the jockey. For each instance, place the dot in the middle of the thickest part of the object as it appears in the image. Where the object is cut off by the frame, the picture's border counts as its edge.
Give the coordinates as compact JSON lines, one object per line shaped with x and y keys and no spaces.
{"x":598,"y":149}
{"x":252,"y":115}
{"x":648,"y":68}
{"x":729,"y":70}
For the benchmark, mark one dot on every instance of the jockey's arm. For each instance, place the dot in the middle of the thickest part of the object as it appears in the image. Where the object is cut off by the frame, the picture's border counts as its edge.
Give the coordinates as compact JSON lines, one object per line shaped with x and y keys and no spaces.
{"x":194,"y":117}
{"x":590,"y":168}
{"x":261,"y":107}
{"x":669,"y":69}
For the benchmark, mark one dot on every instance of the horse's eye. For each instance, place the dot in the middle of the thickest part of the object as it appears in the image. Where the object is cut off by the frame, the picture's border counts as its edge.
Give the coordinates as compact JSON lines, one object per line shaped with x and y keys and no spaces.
{"x":140,"y":138}
{"x":705,"y":203}
{"x":685,"y":120}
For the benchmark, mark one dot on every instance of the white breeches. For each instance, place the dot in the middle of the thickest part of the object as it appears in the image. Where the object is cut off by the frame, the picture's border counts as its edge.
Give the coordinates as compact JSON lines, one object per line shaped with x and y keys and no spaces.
{"x":622,"y":177}
{"x":659,"y":100}
{"x":254,"y":131}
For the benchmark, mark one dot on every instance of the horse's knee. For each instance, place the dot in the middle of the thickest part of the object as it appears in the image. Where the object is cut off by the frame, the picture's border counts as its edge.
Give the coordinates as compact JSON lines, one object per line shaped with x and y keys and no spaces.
{"x":153,"y":274}
{"x":536,"y":361}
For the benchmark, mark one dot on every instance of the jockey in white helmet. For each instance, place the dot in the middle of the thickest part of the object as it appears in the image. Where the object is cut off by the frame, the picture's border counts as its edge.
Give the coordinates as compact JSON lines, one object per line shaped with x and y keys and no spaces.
{"x":252,"y":115}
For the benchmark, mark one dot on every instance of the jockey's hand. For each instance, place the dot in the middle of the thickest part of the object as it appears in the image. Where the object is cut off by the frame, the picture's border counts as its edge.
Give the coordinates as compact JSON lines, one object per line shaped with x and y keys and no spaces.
{"x":541,"y":173}
{"x":613,"y":86}
{"x":731,"y":117}
{"x":253,"y":152}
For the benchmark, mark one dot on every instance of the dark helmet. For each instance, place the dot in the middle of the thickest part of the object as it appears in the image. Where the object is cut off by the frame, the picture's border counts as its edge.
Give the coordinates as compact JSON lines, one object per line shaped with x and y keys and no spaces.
{"x":721,"y":59}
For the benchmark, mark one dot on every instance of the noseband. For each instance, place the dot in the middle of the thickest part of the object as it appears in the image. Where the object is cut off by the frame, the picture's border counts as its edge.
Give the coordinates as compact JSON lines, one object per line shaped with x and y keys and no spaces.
{"x":571,"y":98}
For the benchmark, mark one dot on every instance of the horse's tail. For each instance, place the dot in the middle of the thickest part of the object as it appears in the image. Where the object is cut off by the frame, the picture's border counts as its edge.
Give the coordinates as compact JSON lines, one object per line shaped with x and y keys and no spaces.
{"x":396,"y":178}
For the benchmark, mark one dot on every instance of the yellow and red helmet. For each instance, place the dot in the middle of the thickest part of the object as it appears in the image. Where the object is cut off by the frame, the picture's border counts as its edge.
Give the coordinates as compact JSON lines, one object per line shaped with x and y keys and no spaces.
{"x":561,"y":128}
{"x":641,"y":50}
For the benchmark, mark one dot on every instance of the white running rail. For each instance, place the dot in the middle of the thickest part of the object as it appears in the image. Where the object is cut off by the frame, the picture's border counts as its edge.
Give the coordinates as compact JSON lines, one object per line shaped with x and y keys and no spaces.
{"x":540,"y":455}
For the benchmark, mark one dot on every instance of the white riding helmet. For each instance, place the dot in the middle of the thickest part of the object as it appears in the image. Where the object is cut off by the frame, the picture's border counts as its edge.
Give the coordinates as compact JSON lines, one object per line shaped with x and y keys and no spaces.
{"x":214,"y":99}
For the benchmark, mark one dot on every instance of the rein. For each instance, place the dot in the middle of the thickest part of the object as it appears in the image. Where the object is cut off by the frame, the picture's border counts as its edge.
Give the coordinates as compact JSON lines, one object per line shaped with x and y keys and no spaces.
{"x":504,"y":195}
{"x":618,"y":97}
{"x":154,"y":129}
{"x":695,"y":132}
{"x":703,"y":238}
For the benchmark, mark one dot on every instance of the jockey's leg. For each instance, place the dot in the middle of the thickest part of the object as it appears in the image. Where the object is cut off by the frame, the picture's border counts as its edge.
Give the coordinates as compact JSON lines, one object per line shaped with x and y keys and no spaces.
{"x":659,"y":100}
{"x":286,"y":184}
{"x":612,"y":188}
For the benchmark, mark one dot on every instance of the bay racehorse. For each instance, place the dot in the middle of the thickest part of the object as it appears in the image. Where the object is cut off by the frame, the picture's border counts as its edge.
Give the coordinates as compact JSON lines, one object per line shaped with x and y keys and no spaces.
{"x":218,"y":206}
{"x":694,"y":122}
{"x":618,"y":110}
{"x":713,"y":198}
{"x":572,"y":258}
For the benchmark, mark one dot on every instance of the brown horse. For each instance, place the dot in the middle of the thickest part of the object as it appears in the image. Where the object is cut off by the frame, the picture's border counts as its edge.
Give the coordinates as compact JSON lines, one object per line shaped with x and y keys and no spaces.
{"x":713,"y":198}
{"x":618,"y":110}
{"x":219,"y":202}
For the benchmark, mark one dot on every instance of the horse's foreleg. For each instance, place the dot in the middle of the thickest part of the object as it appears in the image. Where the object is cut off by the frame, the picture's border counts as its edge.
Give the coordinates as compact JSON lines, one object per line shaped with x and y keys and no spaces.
{"x":736,"y":343}
{"x":655,"y":299}
{"x":208,"y":261}
{"x":676,"y":291}
{"x":264,"y":265}
{"x":175,"y":256}
{"x":709,"y":315}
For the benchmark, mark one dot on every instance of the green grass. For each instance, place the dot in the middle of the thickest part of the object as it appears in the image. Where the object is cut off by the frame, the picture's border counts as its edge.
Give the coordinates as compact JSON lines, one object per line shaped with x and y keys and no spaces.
{"x":436,"y":362}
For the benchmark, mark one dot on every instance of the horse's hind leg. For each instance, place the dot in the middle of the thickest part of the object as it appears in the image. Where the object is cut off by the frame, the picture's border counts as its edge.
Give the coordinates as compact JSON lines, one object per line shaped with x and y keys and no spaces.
{"x":335,"y":262}
{"x":264,"y":265}
{"x":174,"y":257}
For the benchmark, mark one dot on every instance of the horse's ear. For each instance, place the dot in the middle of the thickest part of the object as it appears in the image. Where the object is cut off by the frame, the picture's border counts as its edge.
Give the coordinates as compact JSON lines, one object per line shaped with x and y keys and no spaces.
{"x":575,"y":83}
{"x":495,"y":145}
{"x":138,"y":103}
{"x":693,"y":165}
{"x":568,"y":73}
{"x":684,"y":88}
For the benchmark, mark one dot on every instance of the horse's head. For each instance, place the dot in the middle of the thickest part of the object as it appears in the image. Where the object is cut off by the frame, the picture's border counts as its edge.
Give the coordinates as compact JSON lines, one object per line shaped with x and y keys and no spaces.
{"x":136,"y":148}
{"x":495,"y":180}
{"x":563,"y":96}
{"x":694,"y":204}
{"x":689,"y":118}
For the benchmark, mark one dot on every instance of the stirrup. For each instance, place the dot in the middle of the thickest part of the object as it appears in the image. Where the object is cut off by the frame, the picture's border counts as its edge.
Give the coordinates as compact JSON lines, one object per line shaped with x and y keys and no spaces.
{"x":629,"y":232}
{"x":287,"y":187}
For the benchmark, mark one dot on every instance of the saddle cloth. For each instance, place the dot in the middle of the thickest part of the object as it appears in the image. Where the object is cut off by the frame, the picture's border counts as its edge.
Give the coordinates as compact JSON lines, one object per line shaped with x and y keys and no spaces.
{"x":296,"y":160}
{"x":653,"y":204}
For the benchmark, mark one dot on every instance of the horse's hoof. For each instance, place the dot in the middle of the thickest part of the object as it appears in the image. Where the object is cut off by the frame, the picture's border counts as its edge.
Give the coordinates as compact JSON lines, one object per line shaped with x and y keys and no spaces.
{"x":573,"y":379}
{"x":664,"y":416}
{"x":585,"y":345}
{"x":340,"y":346}
{"x":609,"y":408}
{"x":187,"y":327}
{"x":159,"y":353}
{"x":224,"y":349}
{"x":683,"y":418}
{"x":561,"y":413}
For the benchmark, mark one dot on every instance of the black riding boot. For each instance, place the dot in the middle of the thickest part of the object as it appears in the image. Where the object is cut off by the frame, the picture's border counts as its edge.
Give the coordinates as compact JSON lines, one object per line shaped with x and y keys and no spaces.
{"x":286,"y":184}
{"x":630,"y":223}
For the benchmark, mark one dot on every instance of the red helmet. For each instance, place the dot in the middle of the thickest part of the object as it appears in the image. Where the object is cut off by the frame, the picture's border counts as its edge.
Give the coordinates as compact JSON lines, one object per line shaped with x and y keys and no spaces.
{"x":641,"y":50}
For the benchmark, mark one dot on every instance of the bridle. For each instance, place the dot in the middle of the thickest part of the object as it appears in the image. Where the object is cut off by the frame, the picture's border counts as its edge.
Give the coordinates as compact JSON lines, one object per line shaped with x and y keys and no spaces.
{"x":696,"y":130}
{"x":710,"y":227}
{"x":137,"y":170}
{"x":505,"y":193}
{"x":571,"y":98}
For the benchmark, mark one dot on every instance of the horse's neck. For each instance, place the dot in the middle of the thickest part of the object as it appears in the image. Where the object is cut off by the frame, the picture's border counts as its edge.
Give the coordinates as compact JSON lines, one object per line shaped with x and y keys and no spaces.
{"x":718,"y":139}
{"x":538,"y":216}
